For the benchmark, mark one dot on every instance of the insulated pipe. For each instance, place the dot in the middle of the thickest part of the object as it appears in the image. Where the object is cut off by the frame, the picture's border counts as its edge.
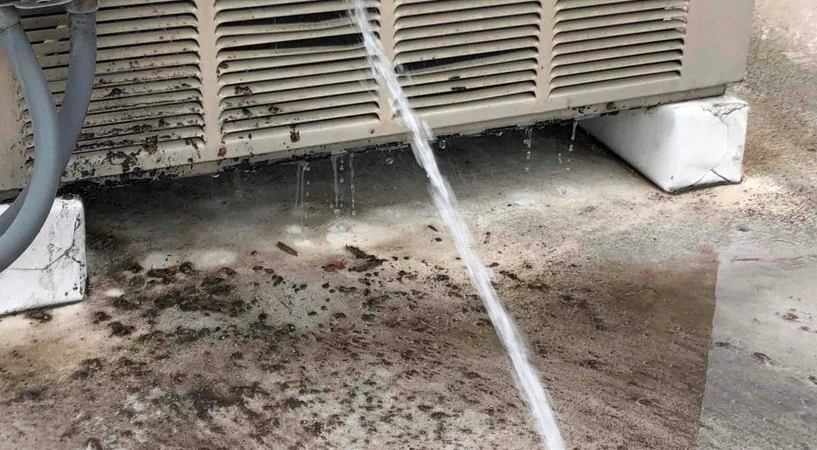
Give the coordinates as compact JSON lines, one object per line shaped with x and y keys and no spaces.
{"x":77,"y":97}
{"x":45,"y":179}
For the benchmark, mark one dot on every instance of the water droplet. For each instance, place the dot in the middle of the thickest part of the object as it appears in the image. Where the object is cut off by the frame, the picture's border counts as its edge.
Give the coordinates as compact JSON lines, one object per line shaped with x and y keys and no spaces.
{"x":389,"y":161}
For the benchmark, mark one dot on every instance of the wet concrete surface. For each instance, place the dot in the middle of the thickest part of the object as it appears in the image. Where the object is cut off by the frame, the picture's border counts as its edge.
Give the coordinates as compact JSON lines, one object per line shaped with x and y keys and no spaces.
{"x":656,"y":321}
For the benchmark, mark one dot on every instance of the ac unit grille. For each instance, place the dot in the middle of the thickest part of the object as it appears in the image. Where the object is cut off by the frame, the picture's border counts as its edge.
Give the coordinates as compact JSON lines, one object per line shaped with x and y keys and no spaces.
{"x":613,"y":43}
{"x":147,"y":92}
{"x":450,"y":53}
{"x":286,"y":66}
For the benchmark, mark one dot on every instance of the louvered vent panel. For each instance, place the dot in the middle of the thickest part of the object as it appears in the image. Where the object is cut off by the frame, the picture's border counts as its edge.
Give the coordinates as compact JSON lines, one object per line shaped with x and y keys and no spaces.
{"x":613,"y":43}
{"x":284,"y":64}
{"x":147,"y":92}
{"x":453,"y":52}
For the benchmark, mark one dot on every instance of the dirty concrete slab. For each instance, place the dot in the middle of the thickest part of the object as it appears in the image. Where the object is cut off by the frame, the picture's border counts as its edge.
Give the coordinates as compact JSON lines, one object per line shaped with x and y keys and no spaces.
{"x":201,"y":331}
{"x":761,"y":389}
{"x":761,"y":381}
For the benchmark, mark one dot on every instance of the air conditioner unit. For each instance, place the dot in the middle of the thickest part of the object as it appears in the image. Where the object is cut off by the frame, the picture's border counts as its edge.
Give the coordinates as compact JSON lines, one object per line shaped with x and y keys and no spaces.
{"x":191,"y":86}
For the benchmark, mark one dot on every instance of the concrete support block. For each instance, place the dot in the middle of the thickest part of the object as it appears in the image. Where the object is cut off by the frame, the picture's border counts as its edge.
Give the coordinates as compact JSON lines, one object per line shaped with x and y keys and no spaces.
{"x":52,"y":271}
{"x":682,"y":145}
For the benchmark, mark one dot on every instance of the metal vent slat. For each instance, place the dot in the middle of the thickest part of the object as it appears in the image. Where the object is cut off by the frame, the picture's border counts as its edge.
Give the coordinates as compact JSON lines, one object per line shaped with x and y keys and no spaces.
{"x":228,"y":55}
{"x":615,"y":63}
{"x":336,"y":124}
{"x":645,"y":50}
{"x":599,"y":10}
{"x":451,"y":53}
{"x":288,"y":120}
{"x":515,"y":92}
{"x":147,"y":90}
{"x":469,"y":72}
{"x":287,"y":63}
{"x":573,"y":4}
{"x":109,"y":70}
{"x":629,"y":72}
{"x":239,"y":11}
{"x":465,"y":84}
{"x":622,"y":30}
{"x":500,"y":34}
{"x":613,"y":43}
{"x":295,"y":60}
{"x":674,"y":37}
{"x":452,"y":18}
{"x":241,"y":40}
{"x":475,"y":51}
{"x":407,"y":8}
{"x":616,"y":83}
{"x":314,"y":104}
{"x":278,"y":73}
{"x":249,"y":89}
{"x":454,"y":31}
{"x":618,"y":19}
{"x":271,"y":99}
{"x":175,"y":107}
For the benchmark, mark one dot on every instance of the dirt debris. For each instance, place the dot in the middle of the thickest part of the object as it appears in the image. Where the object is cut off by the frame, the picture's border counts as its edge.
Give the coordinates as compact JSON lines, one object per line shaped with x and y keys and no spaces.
{"x":287,"y":249}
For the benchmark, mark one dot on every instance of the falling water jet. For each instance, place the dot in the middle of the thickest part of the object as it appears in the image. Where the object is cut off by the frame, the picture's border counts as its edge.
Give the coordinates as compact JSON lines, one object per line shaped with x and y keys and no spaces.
{"x":526,"y":378}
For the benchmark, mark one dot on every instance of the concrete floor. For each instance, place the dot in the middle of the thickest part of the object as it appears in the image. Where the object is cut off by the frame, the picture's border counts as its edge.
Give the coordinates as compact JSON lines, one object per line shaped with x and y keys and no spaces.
{"x":657,"y":321}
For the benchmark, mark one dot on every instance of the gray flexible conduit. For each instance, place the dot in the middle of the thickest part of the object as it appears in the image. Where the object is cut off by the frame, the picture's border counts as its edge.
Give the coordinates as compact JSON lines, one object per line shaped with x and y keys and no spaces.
{"x":45,"y":179}
{"x":81,"y":68}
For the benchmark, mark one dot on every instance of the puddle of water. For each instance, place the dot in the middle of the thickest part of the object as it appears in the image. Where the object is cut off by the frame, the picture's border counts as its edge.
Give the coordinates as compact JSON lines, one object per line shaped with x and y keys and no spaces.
{"x":527,"y":379}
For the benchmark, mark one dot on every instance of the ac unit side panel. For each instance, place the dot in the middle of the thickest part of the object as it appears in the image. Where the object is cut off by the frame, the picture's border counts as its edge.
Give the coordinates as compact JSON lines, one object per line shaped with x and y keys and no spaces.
{"x":717,"y":42}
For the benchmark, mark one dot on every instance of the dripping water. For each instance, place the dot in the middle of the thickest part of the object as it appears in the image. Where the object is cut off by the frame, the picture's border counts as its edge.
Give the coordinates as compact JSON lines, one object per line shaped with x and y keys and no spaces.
{"x":300,"y":190}
{"x":352,"y":181}
{"x":336,"y":186}
{"x":528,"y":142}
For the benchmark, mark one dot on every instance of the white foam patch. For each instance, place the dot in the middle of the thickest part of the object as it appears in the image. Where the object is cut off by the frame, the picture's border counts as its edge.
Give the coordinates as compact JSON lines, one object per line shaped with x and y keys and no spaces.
{"x":204,"y":259}
{"x":160,"y":260}
{"x":526,"y":199}
{"x":344,"y":233}
{"x":208,"y":259}
{"x":114,"y":293}
{"x":306,"y":243}
{"x":293,"y":229}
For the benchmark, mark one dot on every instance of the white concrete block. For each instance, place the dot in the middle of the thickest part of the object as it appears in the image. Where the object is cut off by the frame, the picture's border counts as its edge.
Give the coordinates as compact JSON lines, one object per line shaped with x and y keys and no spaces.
{"x":52,"y":271}
{"x":682,"y":145}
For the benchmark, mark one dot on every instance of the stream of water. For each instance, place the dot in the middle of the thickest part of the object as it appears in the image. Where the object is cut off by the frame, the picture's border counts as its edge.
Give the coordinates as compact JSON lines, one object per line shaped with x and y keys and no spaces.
{"x":526,"y":377}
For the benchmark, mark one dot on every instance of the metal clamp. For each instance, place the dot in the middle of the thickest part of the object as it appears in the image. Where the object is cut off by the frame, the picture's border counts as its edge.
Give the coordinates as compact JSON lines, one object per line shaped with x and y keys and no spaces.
{"x":34,"y":4}
{"x":83,"y":6}
{"x":8,"y":17}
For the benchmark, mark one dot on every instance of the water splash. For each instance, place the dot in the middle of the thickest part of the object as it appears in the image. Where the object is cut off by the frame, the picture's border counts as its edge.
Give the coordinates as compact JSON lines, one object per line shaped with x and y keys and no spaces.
{"x":526,"y":378}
